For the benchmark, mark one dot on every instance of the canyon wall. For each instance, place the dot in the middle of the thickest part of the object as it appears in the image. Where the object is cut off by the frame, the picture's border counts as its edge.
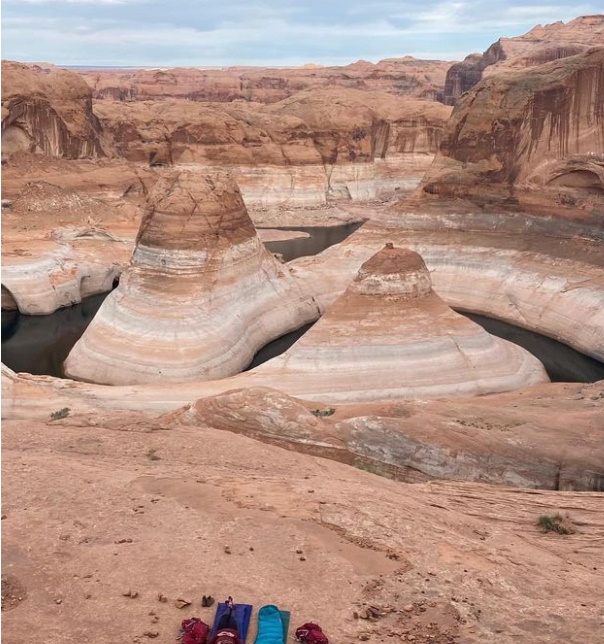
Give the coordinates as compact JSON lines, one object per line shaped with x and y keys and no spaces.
{"x":317,"y":146}
{"x":47,"y":110}
{"x":533,"y":138}
{"x":304,"y":151}
{"x":405,"y":76}
{"x":540,"y":45}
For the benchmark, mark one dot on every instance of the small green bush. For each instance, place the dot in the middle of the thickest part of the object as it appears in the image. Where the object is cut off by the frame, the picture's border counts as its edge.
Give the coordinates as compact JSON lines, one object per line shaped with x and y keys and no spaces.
{"x":553,"y":523}
{"x":151,"y":454}
{"x":321,"y":413}
{"x":61,"y":413}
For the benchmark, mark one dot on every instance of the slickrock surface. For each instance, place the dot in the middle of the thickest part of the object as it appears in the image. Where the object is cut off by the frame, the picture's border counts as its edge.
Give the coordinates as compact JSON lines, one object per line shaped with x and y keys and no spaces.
{"x":201,"y":296}
{"x":547,"y":436}
{"x":390,"y":337}
{"x":97,"y":507}
{"x":540,"y":45}
{"x":406,"y":76}
{"x":47,"y":110}
{"x":532,"y":137}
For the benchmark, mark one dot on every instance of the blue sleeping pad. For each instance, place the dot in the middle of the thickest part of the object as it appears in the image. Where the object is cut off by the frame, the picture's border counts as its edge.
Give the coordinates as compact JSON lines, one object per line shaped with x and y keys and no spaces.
{"x":270,"y":626}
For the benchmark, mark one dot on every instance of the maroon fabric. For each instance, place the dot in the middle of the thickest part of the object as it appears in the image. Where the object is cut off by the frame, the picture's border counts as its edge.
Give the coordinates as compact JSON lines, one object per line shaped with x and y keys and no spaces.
{"x":226,"y":636}
{"x":194,"y":631}
{"x":310,"y":633}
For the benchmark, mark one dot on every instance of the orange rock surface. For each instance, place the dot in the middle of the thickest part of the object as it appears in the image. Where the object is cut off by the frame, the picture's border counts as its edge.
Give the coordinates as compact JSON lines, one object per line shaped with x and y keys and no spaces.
{"x":540,"y":45}
{"x":48,"y":110}
{"x":532,"y":138}
{"x":406,"y":76}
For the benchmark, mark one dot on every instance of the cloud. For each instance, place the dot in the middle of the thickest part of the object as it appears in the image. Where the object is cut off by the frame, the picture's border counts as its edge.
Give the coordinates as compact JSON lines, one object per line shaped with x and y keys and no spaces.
{"x":88,"y":2}
{"x":206,"y":32}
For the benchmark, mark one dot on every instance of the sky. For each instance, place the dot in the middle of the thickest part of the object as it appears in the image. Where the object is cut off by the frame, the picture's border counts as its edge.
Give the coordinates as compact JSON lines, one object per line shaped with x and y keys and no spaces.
{"x":265,"y":32}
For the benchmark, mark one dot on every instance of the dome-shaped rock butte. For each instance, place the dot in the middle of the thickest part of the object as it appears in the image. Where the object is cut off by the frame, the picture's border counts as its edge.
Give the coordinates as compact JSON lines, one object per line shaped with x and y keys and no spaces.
{"x":390,"y":337}
{"x":200,"y":297}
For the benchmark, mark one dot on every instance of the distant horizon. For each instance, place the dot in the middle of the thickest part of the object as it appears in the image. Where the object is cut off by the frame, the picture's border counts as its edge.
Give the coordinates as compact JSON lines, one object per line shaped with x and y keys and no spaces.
{"x":91,"y":66}
{"x":268,"y":33}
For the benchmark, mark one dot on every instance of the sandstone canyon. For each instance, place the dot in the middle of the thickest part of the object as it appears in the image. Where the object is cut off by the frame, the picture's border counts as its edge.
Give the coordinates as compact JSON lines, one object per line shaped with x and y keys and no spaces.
{"x":394,"y":450}
{"x":402,"y":76}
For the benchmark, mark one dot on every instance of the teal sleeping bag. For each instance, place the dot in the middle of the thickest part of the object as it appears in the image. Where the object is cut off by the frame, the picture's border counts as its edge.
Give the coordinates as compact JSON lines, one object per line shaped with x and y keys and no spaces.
{"x":270,"y":626}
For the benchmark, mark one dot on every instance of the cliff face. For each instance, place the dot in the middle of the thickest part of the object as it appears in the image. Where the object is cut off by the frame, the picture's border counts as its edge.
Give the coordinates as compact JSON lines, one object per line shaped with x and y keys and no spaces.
{"x":47,"y":110}
{"x":401,"y":76}
{"x":317,"y":126}
{"x":534,"y":137}
{"x":313,"y":147}
{"x":303,"y":151}
{"x":538,"y":46}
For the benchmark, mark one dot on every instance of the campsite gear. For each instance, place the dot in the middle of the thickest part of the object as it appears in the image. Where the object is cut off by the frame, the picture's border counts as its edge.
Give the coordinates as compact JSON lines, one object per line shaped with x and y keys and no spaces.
{"x":270,"y":626}
{"x":194,"y":631}
{"x":242,"y":613}
{"x":311,"y":633}
{"x":285,"y":618}
{"x":226,"y":636}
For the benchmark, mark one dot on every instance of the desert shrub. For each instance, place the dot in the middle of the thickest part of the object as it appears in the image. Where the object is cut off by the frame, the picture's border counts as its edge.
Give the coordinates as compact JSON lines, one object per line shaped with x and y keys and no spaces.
{"x":553,"y":523}
{"x":61,"y":413}
{"x":321,"y":413}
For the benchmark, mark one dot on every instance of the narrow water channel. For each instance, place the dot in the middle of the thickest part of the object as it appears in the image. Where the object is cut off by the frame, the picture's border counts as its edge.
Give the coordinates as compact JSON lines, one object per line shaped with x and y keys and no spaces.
{"x":40,"y":344}
{"x":320,"y":238}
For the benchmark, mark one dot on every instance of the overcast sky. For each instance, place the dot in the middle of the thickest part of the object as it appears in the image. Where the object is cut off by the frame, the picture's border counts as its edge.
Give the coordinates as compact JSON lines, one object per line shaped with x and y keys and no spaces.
{"x":264,"y":32}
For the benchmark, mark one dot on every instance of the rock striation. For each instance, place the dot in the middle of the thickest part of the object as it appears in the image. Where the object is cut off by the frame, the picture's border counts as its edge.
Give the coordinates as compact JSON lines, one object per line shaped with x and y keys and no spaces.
{"x":306,"y":150}
{"x":533,"y":138}
{"x":390,"y":337}
{"x":547,"y":437}
{"x":47,"y":110}
{"x":540,"y":45}
{"x":545,"y":275}
{"x":201,"y":295}
{"x":405,"y":76}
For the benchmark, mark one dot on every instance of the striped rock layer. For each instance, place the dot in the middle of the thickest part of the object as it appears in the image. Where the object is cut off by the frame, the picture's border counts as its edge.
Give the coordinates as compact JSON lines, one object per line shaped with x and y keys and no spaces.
{"x":200,"y":296}
{"x":390,"y":337}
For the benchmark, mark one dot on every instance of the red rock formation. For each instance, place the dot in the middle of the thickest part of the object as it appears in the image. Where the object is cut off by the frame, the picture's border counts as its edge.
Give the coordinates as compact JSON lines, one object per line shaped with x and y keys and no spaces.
{"x":50,"y":111}
{"x":402,"y":76}
{"x":532,"y":137}
{"x":172,"y":318}
{"x":47,"y":110}
{"x":540,"y":45}
{"x":317,"y":126}
{"x":316,"y":146}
